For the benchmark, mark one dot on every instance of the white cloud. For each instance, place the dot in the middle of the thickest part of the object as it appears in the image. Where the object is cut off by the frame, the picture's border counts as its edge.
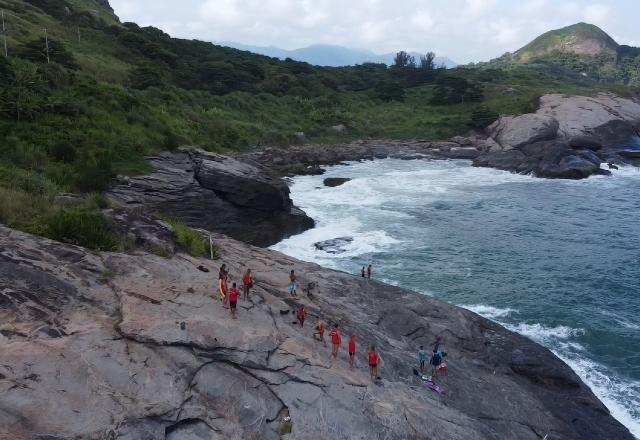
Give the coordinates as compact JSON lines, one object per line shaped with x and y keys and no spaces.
{"x":464,"y":30}
{"x":597,"y":14}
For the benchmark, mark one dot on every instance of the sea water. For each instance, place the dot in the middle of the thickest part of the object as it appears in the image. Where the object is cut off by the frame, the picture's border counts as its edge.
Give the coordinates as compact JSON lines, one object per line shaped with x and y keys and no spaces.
{"x":555,"y":260}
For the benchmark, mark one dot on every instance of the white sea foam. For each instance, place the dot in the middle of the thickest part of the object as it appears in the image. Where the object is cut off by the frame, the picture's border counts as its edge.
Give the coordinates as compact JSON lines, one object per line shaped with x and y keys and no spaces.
{"x":381,"y":195}
{"x":489,"y":312}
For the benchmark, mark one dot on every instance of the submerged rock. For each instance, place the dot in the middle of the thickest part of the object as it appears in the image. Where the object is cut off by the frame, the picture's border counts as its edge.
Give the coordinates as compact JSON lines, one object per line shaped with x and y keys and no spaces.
{"x":335,"y":245}
{"x":335,"y":181}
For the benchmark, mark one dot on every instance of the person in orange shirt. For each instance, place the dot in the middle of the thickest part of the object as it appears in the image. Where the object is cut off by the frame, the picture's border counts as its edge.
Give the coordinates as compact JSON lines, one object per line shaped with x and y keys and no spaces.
{"x":301,"y":315}
{"x":247,"y":284}
{"x":352,"y":350}
{"x":372,"y":357}
{"x":222,"y":283}
{"x":336,"y":340}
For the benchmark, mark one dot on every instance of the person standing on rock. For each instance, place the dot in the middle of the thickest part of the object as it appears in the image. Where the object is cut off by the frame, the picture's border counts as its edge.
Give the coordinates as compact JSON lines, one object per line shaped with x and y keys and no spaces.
{"x":351,"y":347}
{"x":319,"y":331}
{"x":301,"y":314}
{"x":292,"y":283}
{"x":336,"y":340}
{"x":363,"y":270}
{"x":372,"y":358}
{"x":247,"y":284}
{"x":233,"y":300}
{"x":369,"y":269}
{"x":422,"y":358}
{"x":222,"y":283}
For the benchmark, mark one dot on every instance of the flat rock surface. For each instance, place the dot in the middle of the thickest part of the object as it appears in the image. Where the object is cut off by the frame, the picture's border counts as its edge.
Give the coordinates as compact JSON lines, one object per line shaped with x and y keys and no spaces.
{"x":110,"y":345}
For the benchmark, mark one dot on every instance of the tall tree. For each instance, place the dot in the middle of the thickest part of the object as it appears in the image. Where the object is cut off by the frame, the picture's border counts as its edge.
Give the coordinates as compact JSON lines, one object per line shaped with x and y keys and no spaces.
{"x":403,"y":59}
{"x":427,"y":62}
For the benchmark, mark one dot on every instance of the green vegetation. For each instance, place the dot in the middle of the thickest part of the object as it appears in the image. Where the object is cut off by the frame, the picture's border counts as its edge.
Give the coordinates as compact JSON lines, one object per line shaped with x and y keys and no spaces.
{"x":190,"y":240}
{"x":114,"y":92}
{"x":578,"y":52}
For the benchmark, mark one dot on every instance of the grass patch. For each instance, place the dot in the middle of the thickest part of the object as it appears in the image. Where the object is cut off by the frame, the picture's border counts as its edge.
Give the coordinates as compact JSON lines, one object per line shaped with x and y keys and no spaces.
{"x":82,"y":227}
{"x":189,"y":239}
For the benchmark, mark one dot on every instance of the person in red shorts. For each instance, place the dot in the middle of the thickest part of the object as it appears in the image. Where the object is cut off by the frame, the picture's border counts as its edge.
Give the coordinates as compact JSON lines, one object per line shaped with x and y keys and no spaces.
{"x":233,"y":300}
{"x":336,"y":340}
{"x":372,"y":357}
{"x":301,"y":314}
{"x":352,"y":350}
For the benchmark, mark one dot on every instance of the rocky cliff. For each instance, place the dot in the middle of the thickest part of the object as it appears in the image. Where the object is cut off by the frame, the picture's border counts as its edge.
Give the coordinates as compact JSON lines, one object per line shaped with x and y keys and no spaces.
{"x":241,"y":199}
{"x":136,"y":346}
{"x":567,"y":137}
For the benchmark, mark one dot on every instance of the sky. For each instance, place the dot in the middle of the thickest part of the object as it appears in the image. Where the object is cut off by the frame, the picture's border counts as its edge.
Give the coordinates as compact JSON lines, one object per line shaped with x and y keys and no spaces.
{"x":463,"y":30}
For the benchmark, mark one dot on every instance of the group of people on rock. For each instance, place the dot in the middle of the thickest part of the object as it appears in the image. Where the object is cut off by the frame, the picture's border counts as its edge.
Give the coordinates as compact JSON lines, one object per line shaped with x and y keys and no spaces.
{"x":230,"y":296}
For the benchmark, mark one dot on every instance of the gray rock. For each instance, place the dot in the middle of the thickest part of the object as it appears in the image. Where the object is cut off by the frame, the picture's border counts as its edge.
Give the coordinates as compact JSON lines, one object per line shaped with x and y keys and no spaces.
{"x":334,"y":246}
{"x":515,"y":131}
{"x":340,"y":128}
{"x":115,"y":363}
{"x":335,"y":181}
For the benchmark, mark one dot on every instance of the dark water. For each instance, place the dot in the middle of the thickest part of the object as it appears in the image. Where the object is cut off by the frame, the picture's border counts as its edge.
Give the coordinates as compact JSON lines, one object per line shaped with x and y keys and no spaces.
{"x":558,"y":261}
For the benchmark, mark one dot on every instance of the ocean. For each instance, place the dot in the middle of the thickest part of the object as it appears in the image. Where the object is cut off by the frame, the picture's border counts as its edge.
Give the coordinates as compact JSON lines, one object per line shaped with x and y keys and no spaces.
{"x":555,"y":260}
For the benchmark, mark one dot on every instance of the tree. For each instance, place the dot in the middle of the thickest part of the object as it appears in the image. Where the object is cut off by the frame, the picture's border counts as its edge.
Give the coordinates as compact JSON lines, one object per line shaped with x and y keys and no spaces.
{"x":455,"y":90}
{"x":403,"y":60}
{"x":481,"y":117}
{"x":36,"y":51}
{"x":427,"y":62}
{"x":25,"y":95}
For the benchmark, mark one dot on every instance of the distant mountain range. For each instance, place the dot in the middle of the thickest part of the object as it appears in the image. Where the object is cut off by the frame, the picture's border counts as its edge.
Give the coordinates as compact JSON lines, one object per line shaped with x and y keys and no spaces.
{"x":329,"y":55}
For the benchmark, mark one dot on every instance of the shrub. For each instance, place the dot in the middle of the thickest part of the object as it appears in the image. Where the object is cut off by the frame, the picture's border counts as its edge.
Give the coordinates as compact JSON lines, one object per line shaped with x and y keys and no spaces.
{"x":81,"y":227}
{"x":482,"y":117}
{"x":189,"y":239}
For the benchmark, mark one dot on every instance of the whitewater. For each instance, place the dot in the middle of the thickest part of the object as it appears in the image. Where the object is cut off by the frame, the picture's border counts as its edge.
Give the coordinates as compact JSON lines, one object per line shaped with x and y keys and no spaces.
{"x":554,"y":260}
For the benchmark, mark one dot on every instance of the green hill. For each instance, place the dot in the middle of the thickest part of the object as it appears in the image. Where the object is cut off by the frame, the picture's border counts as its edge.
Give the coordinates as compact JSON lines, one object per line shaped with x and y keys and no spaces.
{"x":579,"y":39}
{"x":106,"y":93}
{"x":581,"y":50}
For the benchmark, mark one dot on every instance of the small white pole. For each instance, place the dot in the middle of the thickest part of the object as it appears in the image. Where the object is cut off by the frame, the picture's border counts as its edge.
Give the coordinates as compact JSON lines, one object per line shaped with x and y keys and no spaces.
{"x":4,"y":35}
{"x":211,"y":246}
{"x":46,"y":41}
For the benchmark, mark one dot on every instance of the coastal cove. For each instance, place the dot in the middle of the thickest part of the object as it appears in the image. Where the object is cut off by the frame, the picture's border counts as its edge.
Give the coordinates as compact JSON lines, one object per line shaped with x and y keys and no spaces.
{"x":550,"y":259}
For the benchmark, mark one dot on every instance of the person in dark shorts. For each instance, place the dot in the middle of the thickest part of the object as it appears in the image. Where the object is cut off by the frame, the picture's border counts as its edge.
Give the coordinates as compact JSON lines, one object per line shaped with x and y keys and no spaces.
{"x":292,"y":283}
{"x":247,"y":284}
{"x":363,"y":272}
{"x":233,"y":300}
{"x":369,"y":269}
{"x":351,"y":347}
{"x":372,"y":358}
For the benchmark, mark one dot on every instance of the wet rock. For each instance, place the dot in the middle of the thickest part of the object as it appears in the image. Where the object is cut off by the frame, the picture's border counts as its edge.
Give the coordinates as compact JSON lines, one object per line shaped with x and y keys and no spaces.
{"x":335,"y":181}
{"x":335,"y":245}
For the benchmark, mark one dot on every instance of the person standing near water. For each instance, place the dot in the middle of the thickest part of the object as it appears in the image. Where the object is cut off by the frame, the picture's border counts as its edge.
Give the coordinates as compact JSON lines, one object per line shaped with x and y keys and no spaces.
{"x":372,"y":358}
{"x":363,"y":269}
{"x":319,"y":331}
{"x":369,"y":269}
{"x":352,"y":349}
{"x":247,"y":284}
{"x":301,"y":314}
{"x":222,"y":283}
{"x":336,"y":340}
{"x":292,"y":283}
{"x":422,"y":358}
{"x":233,"y":300}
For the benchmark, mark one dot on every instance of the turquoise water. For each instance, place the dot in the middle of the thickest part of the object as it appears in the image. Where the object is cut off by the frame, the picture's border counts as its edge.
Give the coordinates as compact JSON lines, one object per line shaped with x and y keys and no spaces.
{"x":558,"y":261}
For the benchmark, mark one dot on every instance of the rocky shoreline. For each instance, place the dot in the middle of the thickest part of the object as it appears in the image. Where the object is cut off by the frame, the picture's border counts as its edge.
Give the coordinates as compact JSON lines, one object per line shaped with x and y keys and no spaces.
{"x":136,"y":346}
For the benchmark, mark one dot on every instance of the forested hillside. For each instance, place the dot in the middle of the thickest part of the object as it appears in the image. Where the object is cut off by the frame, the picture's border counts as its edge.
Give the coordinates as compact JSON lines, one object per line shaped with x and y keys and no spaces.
{"x":84,"y":97}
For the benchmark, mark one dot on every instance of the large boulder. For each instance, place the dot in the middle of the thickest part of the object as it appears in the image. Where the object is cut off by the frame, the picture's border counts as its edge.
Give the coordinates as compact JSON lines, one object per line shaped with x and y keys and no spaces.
{"x":515,"y":131}
{"x":216,"y":193}
{"x":604,"y":119}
